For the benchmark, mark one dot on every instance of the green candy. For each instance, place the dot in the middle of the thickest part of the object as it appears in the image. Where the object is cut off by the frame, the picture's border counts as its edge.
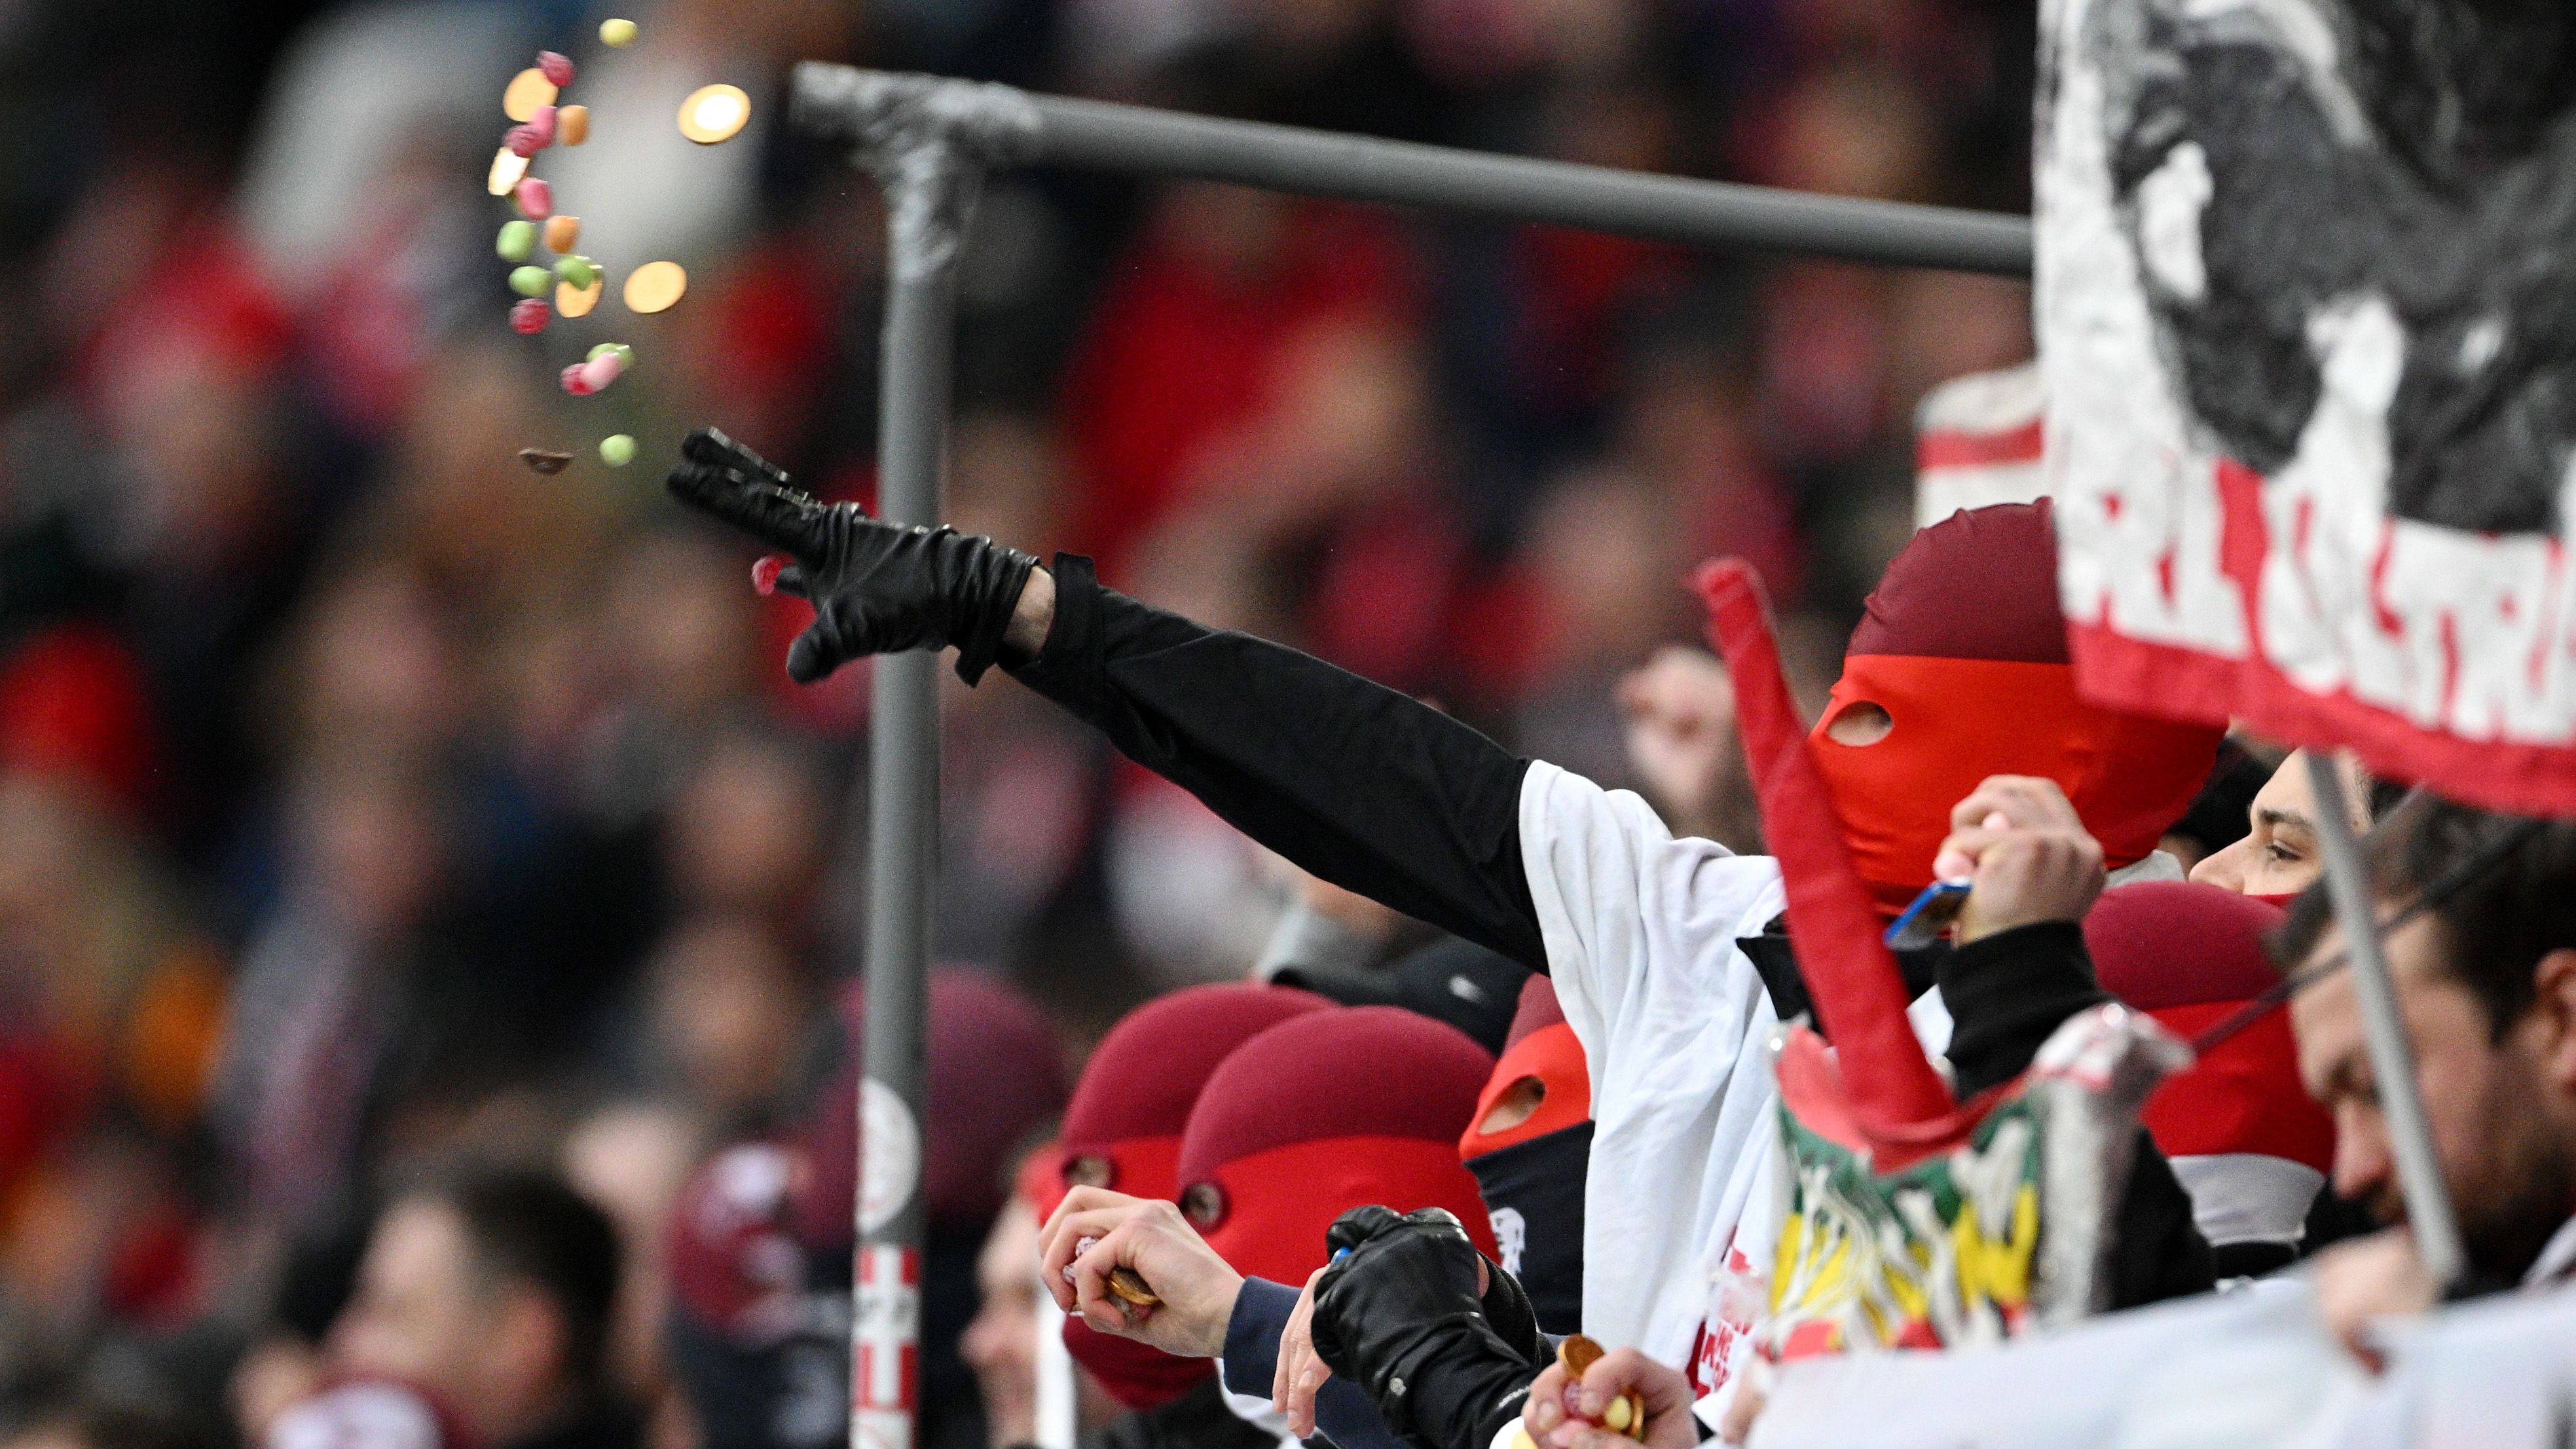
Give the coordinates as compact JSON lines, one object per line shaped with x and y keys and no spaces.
{"x":576,"y":272}
{"x":625,"y":354}
{"x":617,"y":450}
{"x":530,"y":281}
{"x":518,"y":238}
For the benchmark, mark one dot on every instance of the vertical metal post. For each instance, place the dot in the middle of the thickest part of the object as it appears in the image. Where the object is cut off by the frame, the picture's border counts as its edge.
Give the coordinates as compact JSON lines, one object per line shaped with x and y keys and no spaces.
{"x":930,"y":188}
{"x":2392,"y":1057}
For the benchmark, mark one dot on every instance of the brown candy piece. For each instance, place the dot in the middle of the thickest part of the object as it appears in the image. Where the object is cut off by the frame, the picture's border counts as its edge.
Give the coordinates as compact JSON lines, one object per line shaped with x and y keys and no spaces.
{"x":563,"y":233}
{"x":572,"y":125}
{"x":539,"y":460}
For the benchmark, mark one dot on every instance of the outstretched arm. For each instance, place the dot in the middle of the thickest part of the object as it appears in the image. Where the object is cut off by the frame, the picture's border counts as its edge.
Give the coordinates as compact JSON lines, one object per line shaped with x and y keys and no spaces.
{"x":1359,"y":785}
{"x":1371,"y":790}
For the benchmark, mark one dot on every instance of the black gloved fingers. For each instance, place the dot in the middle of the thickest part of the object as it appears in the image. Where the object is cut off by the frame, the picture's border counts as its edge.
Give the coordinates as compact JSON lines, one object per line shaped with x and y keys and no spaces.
{"x":1359,"y":1225}
{"x":791,"y":579}
{"x":825,"y":645}
{"x":779,"y":517}
{"x":711,"y":446}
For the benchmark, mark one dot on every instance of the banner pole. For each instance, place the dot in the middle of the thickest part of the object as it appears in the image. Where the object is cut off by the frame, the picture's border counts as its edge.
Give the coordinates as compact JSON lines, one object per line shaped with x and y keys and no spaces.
{"x":2392,"y":1056}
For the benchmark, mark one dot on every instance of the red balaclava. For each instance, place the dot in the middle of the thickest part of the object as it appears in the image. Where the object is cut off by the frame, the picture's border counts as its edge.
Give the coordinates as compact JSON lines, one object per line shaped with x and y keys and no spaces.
{"x":1964,"y":646}
{"x":1540,"y":1044}
{"x":2238,"y":1126}
{"x":1532,"y":1174}
{"x":1122,"y":1131}
{"x":1328,"y":1112}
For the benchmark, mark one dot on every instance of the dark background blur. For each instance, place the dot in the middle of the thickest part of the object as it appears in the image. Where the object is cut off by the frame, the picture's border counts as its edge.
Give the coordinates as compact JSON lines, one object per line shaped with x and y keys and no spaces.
{"x":366,"y":798}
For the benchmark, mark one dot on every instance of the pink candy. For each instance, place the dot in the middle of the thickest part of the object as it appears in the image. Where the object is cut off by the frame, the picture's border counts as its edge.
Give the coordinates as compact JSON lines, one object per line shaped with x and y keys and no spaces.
{"x":536,"y":199}
{"x":765,"y":571}
{"x":542,"y":121}
{"x":524,"y":141}
{"x":529,"y":315}
{"x":555,"y":67}
{"x":584,"y":378}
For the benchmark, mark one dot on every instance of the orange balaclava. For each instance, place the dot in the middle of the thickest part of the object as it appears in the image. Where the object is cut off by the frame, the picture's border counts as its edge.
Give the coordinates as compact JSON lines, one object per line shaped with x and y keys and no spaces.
{"x":1964,"y":647}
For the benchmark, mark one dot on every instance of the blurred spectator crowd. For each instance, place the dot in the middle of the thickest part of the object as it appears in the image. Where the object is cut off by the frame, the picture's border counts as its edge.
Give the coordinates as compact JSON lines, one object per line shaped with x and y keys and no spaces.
{"x":369,"y":804}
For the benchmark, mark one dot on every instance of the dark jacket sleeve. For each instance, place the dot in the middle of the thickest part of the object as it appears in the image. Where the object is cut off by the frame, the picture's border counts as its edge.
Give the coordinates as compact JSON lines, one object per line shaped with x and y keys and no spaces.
{"x":1366,"y":788}
{"x":1343,"y":1412}
{"x":2006,"y":993}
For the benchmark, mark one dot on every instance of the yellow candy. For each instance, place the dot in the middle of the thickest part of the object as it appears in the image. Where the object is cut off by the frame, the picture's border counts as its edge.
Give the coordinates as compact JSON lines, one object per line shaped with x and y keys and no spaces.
{"x":654,"y":286}
{"x":573,"y":303}
{"x":507,"y":167}
{"x":714,"y":113}
{"x":1624,"y":1411}
{"x":617,"y":34}
{"x":528,"y":90}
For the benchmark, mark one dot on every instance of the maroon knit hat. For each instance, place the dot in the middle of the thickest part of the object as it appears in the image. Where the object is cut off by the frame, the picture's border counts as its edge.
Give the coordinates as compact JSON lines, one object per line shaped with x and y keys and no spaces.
{"x":1146,"y":1073}
{"x":1980,"y":584}
{"x":1361,"y":1071}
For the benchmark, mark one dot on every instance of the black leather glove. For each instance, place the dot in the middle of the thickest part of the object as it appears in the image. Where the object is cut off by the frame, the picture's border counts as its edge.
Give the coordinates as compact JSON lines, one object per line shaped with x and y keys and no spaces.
{"x":876,"y":588}
{"x":1399,"y":1315}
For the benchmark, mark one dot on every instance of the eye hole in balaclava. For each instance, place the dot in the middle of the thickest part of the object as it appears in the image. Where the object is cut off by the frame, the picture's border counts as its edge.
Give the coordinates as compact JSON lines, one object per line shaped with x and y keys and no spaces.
{"x":1203,"y":1203}
{"x":1091,"y":1169}
{"x":1518,"y":1103}
{"x":1859,"y":723}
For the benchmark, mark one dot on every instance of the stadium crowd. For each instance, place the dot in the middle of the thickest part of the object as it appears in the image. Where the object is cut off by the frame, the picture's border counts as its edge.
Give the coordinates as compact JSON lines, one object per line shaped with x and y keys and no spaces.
{"x":429,"y":917}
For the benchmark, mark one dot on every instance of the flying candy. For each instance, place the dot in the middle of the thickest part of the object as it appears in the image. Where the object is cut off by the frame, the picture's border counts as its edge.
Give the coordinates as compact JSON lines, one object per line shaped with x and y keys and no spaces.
{"x":562,"y":232}
{"x":572,"y":125}
{"x":529,"y":281}
{"x":576,"y":272}
{"x":617,"y":450}
{"x":523,"y":140}
{"x":654,"y":286}
{"x":575,"y":383}
{"x":528,"y":315}
{"x":536,"y":198}
{"x":617,"y":34}
{"x":764,"y":573}
{"x":556,"y":67}
{"x":507,"y":167}
{"x":517,"y":239}
{"x":528,"y":90}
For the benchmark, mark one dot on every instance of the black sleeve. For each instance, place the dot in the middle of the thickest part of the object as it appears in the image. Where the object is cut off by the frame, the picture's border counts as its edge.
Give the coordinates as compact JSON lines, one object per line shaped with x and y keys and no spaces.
{"x":1360,"y":785}
{"x":2006,"y":993}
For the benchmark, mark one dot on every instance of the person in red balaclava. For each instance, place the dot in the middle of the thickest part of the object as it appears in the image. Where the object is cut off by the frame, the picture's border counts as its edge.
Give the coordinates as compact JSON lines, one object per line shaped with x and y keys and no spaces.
{"x":1323,"y":1114}
{"x":1958,"y":671}
{"x":1379,"y":794}
{"x":1122,"y":1131}
{"x":2239,"y":1128}
{"x":1531,"y":1138}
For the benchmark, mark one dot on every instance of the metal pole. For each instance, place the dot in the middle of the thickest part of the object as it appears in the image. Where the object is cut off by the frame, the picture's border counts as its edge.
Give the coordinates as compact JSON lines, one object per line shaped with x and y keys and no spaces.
{"x":2392,"y":1057}
{"x":1148,"y":142}
{"x":930,"y":171}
